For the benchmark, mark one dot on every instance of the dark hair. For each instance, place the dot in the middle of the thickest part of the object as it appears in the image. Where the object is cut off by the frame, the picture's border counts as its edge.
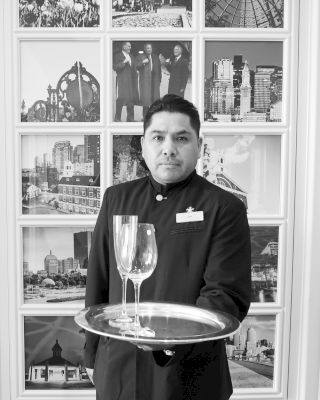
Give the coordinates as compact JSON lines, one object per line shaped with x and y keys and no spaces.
{"x":173,"y":103}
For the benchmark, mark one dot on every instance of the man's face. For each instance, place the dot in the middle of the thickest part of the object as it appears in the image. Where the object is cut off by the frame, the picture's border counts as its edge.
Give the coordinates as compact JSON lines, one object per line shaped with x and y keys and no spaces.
{"x":170,"y":147}
{"x":148,"y":49}
{"x":177,"y":51}
{"x":126,"y":47}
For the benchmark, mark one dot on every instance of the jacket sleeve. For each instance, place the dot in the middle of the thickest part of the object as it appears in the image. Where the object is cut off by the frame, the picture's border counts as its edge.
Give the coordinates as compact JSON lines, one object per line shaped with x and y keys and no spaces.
{"x":184,"y":74}
{"x":227,"y":276}
{"x":97,"y":288}
{"x":118,"y":62}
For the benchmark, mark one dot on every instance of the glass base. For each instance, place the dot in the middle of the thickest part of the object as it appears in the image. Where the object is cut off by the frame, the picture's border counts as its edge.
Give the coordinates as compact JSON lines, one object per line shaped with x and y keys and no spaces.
{"x":139,"y":331}
{"x":122,"y":322}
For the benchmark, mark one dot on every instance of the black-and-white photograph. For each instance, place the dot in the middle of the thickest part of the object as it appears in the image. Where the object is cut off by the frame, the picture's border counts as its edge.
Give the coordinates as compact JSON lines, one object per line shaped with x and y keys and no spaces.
{"x":264,"y":263}
{"x":144,"y":71}
{"x":54,"y":354}
{"x":251,"y":351}
{"x":244,"y":13}
{"x":59,"y":13}
{"x":128,"y":163}
{"x":243,"y":81}
{"x":55,"y":264}
{"x":247,"y":166}
{"x":153,"y":14}
{"x":60,"y":174}
{"x":59,"y":81}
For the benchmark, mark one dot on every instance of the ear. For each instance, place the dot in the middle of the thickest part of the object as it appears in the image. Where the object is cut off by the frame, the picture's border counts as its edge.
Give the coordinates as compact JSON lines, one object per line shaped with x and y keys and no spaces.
{"x":200,"y":141}
{"x":142,"y":142}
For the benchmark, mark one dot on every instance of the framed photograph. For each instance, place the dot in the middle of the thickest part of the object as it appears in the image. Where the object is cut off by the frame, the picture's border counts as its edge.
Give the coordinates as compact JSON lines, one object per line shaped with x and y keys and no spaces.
{"x":59,"y":81}
{"x":54,"y":354}
{"x":144,"y":71}
{"x":264,"y":263}
{"x":128,"y":163}
{"x":244,"y":13}
{"x":55,"y":264}
{"x":60,"y":174}
{"x":59,"y":14}
{"x":248,"y":166}
{"x":243,"y":81}
{"x":153,"y":14}
{"x":251,"y":352}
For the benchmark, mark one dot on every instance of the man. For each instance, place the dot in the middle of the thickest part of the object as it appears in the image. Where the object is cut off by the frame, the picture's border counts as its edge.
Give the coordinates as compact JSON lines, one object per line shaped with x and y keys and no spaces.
{"x":204,"y":263}
{"x":149,"y":67}
{"x":178,"y":67}
{"x":127,"y":89}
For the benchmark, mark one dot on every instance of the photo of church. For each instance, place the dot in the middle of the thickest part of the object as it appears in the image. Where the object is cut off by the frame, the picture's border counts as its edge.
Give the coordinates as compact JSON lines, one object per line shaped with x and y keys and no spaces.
{"x":54,"y":354}
{"x":248,"y":166}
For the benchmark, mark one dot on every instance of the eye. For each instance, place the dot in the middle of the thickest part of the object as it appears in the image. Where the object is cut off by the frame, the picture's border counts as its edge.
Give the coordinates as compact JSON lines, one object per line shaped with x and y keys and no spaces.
{"x":157,"y":138}
{"x":182,"y":139}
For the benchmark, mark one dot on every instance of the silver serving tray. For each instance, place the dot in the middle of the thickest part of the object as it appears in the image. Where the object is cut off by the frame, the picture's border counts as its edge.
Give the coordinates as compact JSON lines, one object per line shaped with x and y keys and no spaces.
{"x":172,"y":323}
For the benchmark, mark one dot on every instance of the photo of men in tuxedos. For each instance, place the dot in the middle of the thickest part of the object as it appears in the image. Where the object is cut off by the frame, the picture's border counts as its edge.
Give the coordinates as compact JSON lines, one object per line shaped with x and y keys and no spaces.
{"x":149,"y":68}
{"x":126,"y":82}
{"x":178,"y":67}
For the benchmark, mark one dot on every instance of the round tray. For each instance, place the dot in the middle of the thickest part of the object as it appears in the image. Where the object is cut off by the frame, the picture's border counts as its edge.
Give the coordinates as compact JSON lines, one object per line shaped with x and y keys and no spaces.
{"x":172,"y":323}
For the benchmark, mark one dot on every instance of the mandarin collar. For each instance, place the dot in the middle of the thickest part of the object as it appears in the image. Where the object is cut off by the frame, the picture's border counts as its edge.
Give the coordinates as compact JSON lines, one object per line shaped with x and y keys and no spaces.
{"x":164,"y":189}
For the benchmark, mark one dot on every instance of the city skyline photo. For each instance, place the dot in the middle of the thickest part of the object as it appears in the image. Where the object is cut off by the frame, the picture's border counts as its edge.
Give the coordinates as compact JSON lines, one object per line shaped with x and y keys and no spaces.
{"x":251,"y":352}
{"x":60,"y":174}
{"x":55,"y":262}
{"x":243,"y":81}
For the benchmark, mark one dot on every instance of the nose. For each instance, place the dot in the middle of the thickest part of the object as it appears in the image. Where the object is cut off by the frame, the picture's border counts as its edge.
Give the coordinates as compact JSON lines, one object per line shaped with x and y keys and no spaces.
{"x":169,"y":148}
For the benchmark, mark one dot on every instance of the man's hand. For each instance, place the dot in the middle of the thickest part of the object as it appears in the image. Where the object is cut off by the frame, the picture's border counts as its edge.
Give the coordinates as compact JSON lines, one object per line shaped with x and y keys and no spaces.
{"x":90,"y":374}
{"x":154,"y":347}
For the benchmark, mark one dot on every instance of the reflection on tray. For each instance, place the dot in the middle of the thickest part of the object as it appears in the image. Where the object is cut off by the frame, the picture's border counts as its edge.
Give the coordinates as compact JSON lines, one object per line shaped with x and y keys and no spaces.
{"x":171,"y":323}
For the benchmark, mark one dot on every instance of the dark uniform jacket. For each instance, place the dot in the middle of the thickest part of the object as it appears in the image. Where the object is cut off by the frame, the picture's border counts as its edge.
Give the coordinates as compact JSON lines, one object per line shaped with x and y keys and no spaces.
{"x":205,"y":263}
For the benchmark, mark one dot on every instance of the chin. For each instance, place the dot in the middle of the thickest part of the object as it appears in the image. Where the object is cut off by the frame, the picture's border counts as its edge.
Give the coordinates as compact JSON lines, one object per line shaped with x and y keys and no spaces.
{"x":171,"y":178}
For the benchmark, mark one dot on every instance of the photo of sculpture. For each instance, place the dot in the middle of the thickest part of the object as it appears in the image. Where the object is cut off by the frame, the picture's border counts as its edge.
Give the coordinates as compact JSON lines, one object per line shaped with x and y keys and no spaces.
{"x":128,"y":163}
{"x":54,"y":354}
{"x":243,"y":81}
{"x":264,"y":263}
{"x":60,"y":174}
{"x":59,"y":13}
{"x":153,"y":14}
{"x":251,"y":352}
{"x":55,"y":264}
{"x":247,"y":166}
{"x":143,"y":71}
{"x":244,"y":13}
{"x":60,"y":81}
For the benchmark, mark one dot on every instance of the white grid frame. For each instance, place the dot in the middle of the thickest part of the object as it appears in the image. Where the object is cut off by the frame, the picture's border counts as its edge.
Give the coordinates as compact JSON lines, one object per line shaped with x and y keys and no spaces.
{"x":198,"y":35}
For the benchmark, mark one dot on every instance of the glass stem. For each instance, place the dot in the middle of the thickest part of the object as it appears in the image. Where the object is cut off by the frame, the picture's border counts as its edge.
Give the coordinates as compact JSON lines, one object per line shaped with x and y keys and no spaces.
{"x":124,"y":295}
{"x":136,"y":307}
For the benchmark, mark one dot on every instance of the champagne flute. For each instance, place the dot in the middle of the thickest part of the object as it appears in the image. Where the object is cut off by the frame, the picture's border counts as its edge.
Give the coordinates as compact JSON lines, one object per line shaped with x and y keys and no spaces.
{"x":143,"y":265}
{"x":124,"y":240}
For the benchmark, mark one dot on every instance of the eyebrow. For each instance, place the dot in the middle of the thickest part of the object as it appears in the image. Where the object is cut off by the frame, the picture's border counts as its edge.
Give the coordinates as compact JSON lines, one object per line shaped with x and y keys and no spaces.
{"x":182,"y":132}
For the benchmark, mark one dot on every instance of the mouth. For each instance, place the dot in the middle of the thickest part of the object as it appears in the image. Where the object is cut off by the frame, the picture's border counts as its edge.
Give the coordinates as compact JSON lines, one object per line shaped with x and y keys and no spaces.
{"x":170,"y":164}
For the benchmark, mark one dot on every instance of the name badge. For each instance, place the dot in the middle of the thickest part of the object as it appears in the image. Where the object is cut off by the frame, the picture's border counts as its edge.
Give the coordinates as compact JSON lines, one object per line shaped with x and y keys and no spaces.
{"x":189,"y":216}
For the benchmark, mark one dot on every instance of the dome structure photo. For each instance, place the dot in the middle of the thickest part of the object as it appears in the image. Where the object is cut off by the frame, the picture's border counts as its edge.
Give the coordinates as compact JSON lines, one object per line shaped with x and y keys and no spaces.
{"x":244,"y":13}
